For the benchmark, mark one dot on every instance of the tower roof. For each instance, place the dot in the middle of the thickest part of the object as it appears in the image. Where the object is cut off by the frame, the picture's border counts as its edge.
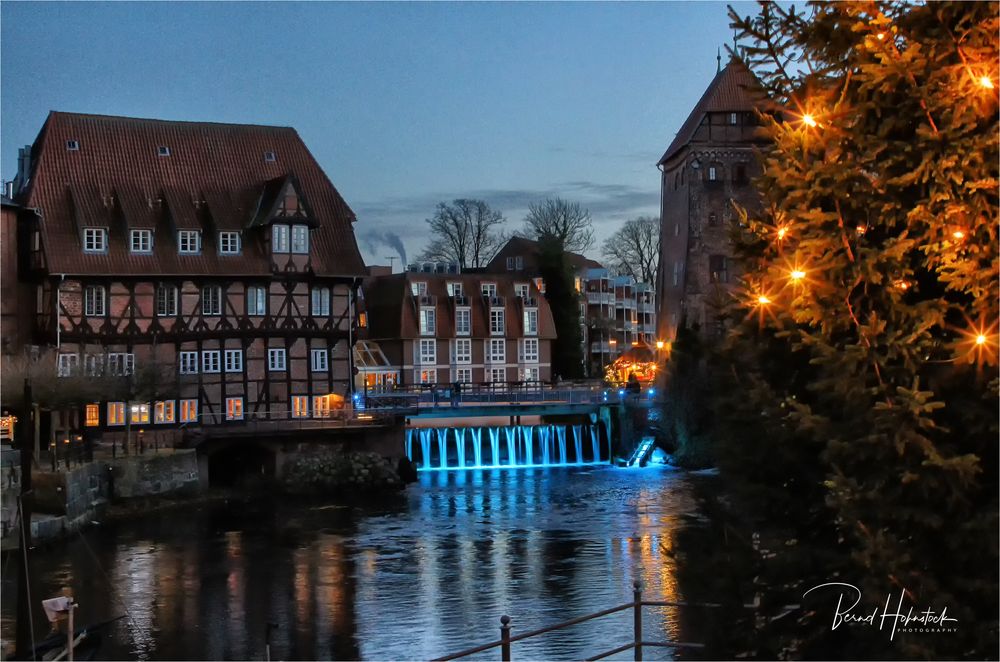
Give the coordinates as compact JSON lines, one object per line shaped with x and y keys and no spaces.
{"x":734,"y":89}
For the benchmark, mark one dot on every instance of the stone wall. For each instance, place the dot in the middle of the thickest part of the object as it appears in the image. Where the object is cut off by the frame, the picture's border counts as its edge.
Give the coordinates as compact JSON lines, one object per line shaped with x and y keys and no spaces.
{"x":155,"y":475}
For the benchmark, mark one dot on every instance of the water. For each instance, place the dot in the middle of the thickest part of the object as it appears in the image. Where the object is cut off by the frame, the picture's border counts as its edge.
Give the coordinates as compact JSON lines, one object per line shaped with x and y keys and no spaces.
{"x":427,"y":573}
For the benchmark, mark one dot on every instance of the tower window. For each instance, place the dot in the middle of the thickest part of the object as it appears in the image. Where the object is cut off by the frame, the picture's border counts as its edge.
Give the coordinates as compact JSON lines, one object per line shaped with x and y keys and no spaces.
{"x":72,"y":145}
{"x":732,"y":118}
{"x":163,"y":150}
{"x":270,"y":157}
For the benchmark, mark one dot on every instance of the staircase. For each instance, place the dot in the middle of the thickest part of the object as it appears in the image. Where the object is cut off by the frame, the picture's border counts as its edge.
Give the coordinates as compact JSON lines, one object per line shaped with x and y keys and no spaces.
{"x":642,"y":451}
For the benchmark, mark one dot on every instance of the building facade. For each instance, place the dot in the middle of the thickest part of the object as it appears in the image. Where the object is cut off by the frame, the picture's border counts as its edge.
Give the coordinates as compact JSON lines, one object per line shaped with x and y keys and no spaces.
{"x":440,"y":326}
{"x":209,"y":270}
{"x":706,"y":169}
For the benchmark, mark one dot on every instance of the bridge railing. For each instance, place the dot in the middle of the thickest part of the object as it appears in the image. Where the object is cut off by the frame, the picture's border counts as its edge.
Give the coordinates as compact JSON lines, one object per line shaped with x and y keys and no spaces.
{"x":497,"y":393}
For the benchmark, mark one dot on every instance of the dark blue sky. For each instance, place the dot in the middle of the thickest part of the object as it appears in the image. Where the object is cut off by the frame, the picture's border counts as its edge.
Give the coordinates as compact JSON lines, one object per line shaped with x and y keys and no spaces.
{"x":403,"y":104}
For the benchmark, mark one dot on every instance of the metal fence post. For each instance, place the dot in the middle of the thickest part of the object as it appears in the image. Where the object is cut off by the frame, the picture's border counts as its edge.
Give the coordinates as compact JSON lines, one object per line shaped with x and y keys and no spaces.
{"x":637,"y":617}
{"x":505,"y":638}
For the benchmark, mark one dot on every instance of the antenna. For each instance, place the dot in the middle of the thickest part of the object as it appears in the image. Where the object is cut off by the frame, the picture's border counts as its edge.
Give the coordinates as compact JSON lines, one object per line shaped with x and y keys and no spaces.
{"x":718,"y":60}
{"x":391,"y":258}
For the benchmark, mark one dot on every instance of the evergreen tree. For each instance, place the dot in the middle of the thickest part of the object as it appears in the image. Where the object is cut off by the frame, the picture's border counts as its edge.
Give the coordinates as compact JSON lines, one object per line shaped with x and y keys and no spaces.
{"x":866,"y":365}
{"x":564,"y":301}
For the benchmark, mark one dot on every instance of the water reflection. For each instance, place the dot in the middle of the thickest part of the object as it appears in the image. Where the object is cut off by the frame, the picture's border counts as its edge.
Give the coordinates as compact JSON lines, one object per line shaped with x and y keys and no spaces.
{"x":426,"y":574}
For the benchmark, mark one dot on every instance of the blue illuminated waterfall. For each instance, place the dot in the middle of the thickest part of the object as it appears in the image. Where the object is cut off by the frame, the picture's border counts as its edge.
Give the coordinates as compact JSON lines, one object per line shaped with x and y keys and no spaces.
{"x":524,"y":446}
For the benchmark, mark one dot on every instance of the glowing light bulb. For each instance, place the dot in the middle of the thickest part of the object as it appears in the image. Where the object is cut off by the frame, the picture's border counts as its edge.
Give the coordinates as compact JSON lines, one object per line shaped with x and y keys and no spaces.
{"x":763,"y":300}
{"x":980,"y":339}
{"x":861,"y":229}
{"x":782,"y":232}
{"x":659,"y":344}
{"x":986,"y":82}
{"x":798,"y":274}
{"x":880,"y":36}
{"x":958,"y":234}
{"x":902,"y":284}
{"x":809,"y":120}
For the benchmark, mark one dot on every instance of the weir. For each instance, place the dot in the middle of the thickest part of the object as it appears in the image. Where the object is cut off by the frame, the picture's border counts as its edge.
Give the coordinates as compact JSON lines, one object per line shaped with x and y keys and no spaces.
{"x":526,"y":446}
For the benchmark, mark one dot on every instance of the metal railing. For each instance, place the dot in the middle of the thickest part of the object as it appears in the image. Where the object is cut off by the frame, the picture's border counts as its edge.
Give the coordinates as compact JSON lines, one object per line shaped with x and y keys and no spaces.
{"x":494,"y":393}
{"x":637,"y":643}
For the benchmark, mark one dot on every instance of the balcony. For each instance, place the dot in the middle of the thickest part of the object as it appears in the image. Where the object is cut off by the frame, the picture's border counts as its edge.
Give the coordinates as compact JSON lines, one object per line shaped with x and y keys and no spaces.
{"x":600,"y":348}
{"x":497,"y":302}
{"x":461,"y":300}
{"x":600,"y":298}
{"x":427,"y":300}
{"x":529,"y":302}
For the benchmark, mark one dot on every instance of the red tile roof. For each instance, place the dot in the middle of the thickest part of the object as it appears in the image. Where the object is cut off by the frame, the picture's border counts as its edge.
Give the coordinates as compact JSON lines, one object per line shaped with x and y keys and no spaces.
{"x":213,"y":179}
{"x":735,"y":89}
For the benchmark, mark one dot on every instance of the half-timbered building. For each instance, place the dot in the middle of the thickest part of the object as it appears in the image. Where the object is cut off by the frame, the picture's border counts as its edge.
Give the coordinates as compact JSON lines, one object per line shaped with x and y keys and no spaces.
{"x":213,"y":267}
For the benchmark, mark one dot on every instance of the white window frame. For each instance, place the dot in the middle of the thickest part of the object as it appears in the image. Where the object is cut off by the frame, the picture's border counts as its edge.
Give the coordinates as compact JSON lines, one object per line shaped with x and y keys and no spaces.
{"x":530,"y":374}
{"x":256,"y":301}
{"x":121,"y":364}
{"x":166,"y":300}
{"x":497,"y":322}
{"x":234,"y":360}
{"x":713,"y":174}
{"x":95,"y":240}
{"x":493,"y":373}
{"x":427,"y":351}
{"x":234,"y":408}
{"x":461,"y":349}
{"x":428,"y":321}
{"x":529,"y":350}
{"x":189,"y":242}
{"x":510,"y":263}
{"x":188,"y":410}
{"x":455,"y":289}
{"x":299,"y":406}
{"x":463,"y":375}
{"x":67,"y":364}
{"x":95,"y":301}
{"x":116,"y":413}
{"x":93,"y":365}
{"x":280,"y":238}
{"x":300,"y":239}
{"x":489,"y":289}
{"x":140,"y":240}
{"x":531,"y":321}
{"x":427,"y":376}
{"x":463,"y":315}
{"x":493,"y":354}
{"x":320,"y":406}
{"x":320,"y":300}
{"x":139,"y":413}
{"x":188,"y":363}
{"x":319,"y":360}
{"x":211,"y":361}
{"x":521,"y":290}
{"x":164,"y":411}
{"x":418,"y":288}
{"x":229,"y":243}
{"x":277,"y":359}
{"x":211,"y":294}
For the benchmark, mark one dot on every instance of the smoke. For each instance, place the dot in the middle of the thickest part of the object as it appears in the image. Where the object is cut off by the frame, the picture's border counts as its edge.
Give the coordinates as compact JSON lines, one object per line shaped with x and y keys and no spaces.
{"x":373,"y":239}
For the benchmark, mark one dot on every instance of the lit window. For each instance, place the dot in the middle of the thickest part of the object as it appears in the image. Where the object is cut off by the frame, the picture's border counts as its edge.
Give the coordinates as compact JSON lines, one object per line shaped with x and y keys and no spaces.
{"x":189,"y":242}
{"x":300,"y":239}
{"x":320,"y":301}
{"x":163,"y":412}
{"x":189,"y":411}
{"x":139,"y":413}
{"x":94,"y":301}
{"x":497,"y":350}
{"x":256,"y":301}
{"x":188,"y":363}
{"x":428,"y":376}
{"x":428,"y":352}
{"x":463,"y":375}
{"x":529,"y":375}
{"x":462,"y":350}
{"x":362,"y":320}
{"x":116,"y":413}
{"x":489,"y":289}
{"x":211,"y":300}
{"x":67,"y":364}
{"x":531,"y":321}
{"x":540,"y":285}
{"x":95,"y":240}
{"x":300,"y":406}
{"x":121,"y":364}
{"x":529,"y":350}
{"x":321,"y":406}
{"x":234,"y":409}
{"x":276,"y":359}
{"x":166,"y":300}
{"x":92,"y":415}
{"x":234,"y":360}
{"x":141,"y":241}
{"x":210,"y":360}
{"x":320,"y":360}
{"x":229,"y":243}
{"x":463,"y":321}
{"x":428,"y":324}
{"x":279,"y":238}
{"x":496,"y":321}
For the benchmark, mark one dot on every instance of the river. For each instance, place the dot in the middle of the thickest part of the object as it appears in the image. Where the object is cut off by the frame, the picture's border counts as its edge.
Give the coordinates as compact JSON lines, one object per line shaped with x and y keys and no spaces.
{"x":413,"y":577}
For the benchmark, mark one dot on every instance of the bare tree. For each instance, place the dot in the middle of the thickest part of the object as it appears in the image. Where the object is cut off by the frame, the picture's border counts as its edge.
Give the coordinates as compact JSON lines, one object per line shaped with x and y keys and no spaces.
{"x":468,"y":232}
{"x":566,"y":222}
{"x":634,"y":249}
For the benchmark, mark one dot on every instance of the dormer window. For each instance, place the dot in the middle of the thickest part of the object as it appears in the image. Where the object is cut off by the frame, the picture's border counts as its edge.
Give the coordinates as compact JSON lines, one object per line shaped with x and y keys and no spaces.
{"x":141,"y":241}
{"x":419,"y":288}
{"x":189,"y":242}
{"x":95,"y":240}
{"x":279,"y":238}
{"x":270,"y":157}
{"x":428,"y":321}
{"x":229,"y":243}
{"x":454,"y":289}
{"x":521,"y":290}
{"x":163,"y":150}
{"x":72,"y":145}
{"x":300,"y":239}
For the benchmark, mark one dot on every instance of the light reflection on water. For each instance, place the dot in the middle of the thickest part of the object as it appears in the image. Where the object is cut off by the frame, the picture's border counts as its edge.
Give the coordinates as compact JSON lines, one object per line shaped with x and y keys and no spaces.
{"x":426,"y":574}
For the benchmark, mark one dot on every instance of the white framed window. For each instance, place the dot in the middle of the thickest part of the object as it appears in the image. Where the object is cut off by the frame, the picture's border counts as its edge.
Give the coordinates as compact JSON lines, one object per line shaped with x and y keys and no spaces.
{"x":454,"y":289}
{"x":678,"y":267}
{"x":279,"y":238}
{"x":427,"y":351}
{"x":139,"y":413}
{"x":419,"y":288}
{"x":163,"y":150}
{"x":270,"y":157}
{"x":300,"y":239}
{"x":256,"y":301}
{"x":529,"y":374}
{"x":496,"y":375}
{"x":234,"y":360}
{"x":188,"y":363}
{"x":276,"y":359}
{"x":121,"y":364}
{"x":229,"y":243}
{"x":72,"y":145}
{"x":713,"y":173}
{"x":521,"y":290}
{"x":164,"y":412}
{"x":463,"y":375}
{"x":518,"y":263}
{"x":234,"y":409}
{"x":94,"y":301}
{"x":497,"y":350}
{"x":95,"y":240}
{"x":428,"y":376}
{"x":529,"y":350}
{"x":732,"y":119}
{"x":463,"y":321}
{"x":321,"y":406}
{"x":189,"y":411}
{"x":116,"y":413}
{"x":461,"y":350}
{"x":320,"y":360}
{"x":510,"y":264}
{"x":211,"y":300}
{"x":530,"y":321}
{"x":211,"y":360}
{"x":93,"y":365}
{"x":320,"y":301}
{"x":67,"y":364}
{"x":300,"y":406}
{"x":489,"y":289}
{"x":428,"y":321}
{"x":141,"y":241}
{"x":188,"y":242}
{"x":496,"y":322}
{"x":166,"y":301}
